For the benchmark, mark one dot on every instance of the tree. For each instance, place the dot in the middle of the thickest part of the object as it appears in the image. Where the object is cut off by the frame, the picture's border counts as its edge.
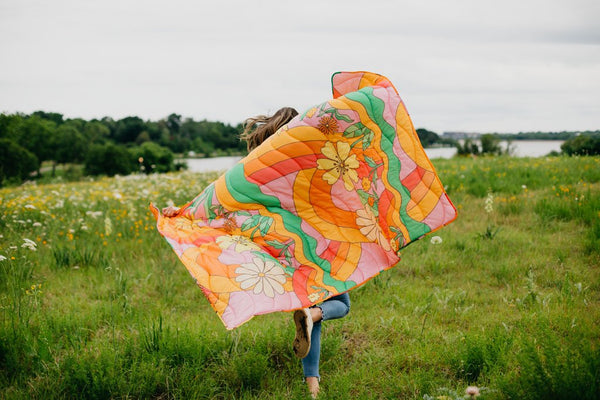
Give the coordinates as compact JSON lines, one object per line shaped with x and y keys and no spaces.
{"x":16,"y":162}
{"x":468,"y":147}
{"x":35,"y":136}
{"x":490,"y":144}
{"x":153,"y":158}
{"x":50,"y":116}
{"x":96,"y":132}
{"x":69,"y":146}
{"x":426,"y":137}
{"x":582,"y":145}
{"x":128,"y":129}
{"x":109,"y":159}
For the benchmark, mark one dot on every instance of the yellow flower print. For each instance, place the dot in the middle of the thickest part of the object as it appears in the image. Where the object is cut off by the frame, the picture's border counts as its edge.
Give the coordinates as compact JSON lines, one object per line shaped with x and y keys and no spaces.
{"x":240,"y":243}
{"x":339,"y":163}
{"x":266,"y":276}
{"x":311,"y":112}
{"x":366,"y":184}
{"x":370,"y":227}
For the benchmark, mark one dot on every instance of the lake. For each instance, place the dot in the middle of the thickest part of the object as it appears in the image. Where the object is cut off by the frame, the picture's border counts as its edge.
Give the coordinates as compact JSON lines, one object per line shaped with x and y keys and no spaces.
{"x":523,"y":148}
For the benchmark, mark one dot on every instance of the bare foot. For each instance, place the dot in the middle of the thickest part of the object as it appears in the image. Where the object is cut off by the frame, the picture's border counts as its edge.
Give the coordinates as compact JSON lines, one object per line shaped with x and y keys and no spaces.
{"x":313,"y":386}
{"x":316,"y":313}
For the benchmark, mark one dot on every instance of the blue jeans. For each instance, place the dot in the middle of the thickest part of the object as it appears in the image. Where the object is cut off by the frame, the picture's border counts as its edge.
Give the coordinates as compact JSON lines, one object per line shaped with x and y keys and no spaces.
{"x":332,"y":308}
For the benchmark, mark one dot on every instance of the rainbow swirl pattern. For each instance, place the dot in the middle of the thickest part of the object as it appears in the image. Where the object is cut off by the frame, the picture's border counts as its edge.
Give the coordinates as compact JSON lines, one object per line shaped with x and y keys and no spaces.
{"x":319,"y":208}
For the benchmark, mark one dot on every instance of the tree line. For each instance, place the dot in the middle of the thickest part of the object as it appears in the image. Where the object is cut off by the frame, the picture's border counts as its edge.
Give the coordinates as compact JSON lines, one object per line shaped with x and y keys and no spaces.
{"x":107,"y":146}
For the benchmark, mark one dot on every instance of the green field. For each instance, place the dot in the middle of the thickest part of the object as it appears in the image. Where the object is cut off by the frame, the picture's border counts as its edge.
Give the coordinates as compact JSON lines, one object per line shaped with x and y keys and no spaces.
{"x":94,"y":304}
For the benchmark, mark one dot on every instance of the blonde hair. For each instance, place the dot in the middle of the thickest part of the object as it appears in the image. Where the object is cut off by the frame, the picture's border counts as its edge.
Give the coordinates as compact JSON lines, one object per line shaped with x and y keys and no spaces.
{"x":259,"y":128}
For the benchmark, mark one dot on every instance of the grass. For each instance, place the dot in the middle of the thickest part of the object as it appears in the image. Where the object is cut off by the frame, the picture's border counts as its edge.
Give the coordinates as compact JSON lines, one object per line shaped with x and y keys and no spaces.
{"x":509,"y":300}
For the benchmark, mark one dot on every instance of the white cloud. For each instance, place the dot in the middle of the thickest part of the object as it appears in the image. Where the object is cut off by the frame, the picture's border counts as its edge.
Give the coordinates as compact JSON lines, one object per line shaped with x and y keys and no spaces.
{"x":468,"y":65}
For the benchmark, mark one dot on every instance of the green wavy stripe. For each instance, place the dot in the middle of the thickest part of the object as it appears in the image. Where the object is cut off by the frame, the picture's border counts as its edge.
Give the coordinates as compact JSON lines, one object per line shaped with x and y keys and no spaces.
{"x":375,"y":108}
{"x":247,"y":192}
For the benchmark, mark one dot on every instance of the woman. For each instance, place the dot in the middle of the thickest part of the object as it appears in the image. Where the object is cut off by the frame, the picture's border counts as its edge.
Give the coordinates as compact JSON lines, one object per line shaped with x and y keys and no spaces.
{"x":307,"y":343}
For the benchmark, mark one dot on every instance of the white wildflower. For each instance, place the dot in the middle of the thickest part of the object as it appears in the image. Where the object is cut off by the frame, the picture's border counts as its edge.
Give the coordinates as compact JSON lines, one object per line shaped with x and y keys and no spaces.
{"x":472,"y":391}
{"x":37,"y":224}
{"x":170,"y":203}
{"x":29,"y":244}
{"x":436,"y":240}
{"x":30,"y":206}
{"x":2,"y":258}
{"x":117,"y":195}
{"x":94,"y":214}
{"x":489,"y":203}
{"x":84,"y":227}
{"x":523,"y":187}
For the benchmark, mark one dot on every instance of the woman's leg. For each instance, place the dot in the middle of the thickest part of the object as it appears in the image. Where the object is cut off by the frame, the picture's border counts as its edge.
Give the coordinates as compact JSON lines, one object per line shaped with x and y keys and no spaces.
{"x":333,"y":308}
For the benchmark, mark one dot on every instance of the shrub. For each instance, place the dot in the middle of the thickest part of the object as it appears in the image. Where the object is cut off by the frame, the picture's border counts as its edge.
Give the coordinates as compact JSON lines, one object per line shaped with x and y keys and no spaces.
{"x":109,"y":160}
{"x":16,"y":163}
{"x":582,"y":145}
{"x":153,"y":158}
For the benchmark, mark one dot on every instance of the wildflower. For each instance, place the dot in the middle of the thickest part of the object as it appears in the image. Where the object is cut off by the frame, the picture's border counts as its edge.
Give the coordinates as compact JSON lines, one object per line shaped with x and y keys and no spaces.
{"x":94,"y":214}
{"x":472,"y":391}
{"x":107,"y":226}
{"x":30,"y":207}
{"x":523,"y":187}
{"x":489,"y":203}
{"x":2,"y":258}
{"x":37,"y":224}
{"x":436,"y":240}
{"x":29,"y":244}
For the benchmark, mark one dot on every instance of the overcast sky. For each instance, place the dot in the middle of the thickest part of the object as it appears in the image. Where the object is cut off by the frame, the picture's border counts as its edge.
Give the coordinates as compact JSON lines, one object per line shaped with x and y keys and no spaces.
{"x":476,"y":65}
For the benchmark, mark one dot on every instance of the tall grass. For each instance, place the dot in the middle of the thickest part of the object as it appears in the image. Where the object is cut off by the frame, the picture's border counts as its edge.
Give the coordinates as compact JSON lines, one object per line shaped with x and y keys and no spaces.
{"x":99,"y":307}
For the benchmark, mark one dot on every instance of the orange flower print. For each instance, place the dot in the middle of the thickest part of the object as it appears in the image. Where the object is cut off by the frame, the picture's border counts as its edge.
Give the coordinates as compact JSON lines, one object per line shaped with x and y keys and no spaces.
{"x":328,"y":125}
{"x":366,"y":184}
{"x":229,"y":224}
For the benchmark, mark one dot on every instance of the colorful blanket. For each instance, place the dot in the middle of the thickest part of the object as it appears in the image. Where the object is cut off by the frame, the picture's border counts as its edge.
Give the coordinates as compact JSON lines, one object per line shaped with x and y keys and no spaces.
{"x":319,"y":208}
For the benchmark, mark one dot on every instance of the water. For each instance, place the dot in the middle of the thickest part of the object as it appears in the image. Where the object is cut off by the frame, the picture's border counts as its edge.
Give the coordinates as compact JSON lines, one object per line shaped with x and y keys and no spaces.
{"x":212,"y":164}
{"x":523,"y":148}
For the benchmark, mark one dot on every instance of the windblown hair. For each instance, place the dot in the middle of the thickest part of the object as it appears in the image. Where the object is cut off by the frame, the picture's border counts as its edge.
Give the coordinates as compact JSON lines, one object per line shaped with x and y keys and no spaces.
{"x":259,"y":128}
